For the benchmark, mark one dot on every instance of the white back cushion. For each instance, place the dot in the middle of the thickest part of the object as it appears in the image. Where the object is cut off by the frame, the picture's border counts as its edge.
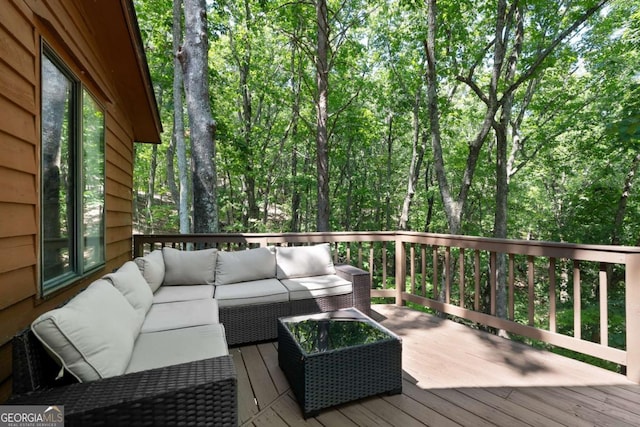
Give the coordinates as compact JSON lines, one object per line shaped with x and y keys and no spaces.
{"x":189,"y":267}
{"x":129,"y":281}
{"x":93,"y":334}
{"x":304,"y":261}
{"x":152,"y":268}
{"x":244,"y":266}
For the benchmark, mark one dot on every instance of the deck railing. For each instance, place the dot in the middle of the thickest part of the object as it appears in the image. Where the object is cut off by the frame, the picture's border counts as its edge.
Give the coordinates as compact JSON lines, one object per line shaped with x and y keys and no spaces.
{"x":546,"y":282}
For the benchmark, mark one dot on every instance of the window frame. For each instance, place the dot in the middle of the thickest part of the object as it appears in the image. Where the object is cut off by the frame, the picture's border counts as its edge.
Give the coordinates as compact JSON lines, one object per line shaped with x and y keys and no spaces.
{"x":76,"y":233}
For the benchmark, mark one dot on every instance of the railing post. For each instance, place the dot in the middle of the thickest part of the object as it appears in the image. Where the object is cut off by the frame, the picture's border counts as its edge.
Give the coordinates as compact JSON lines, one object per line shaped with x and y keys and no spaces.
{"x":632,"y":298}
{"x":401,"y":270}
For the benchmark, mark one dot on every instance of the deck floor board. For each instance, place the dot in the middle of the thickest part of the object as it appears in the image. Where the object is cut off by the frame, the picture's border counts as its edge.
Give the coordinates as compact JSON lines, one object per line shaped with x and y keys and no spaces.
{"x":452,"y":375}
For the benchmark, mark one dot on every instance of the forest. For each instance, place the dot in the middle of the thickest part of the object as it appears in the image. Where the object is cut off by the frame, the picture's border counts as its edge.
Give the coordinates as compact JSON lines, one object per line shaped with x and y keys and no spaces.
{"x":514,"y":119}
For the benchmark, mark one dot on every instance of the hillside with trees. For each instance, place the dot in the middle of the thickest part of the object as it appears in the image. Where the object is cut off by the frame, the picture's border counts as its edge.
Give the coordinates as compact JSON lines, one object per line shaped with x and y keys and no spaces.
{"x":516,"y":119}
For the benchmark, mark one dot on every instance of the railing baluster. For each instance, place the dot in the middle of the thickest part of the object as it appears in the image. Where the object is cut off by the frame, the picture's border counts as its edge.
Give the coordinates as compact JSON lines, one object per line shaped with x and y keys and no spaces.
{"x":577,"y":318}
{"x":461,"y":276}
{"x":476,"y":275}
{"x":384,"y":265}
{"x":531,"y":286}
{"x":447,"y":275}
{"x":492,"y":281}
{"x":511,"y":286}
{"x":401,"y":271}
{"x":412,"y":265}
{"x":371,"y":262}
{"x":423,"y":257}
{"x":436,"y":294}
{"x":604,"y":311}
{"x":552,"y":294}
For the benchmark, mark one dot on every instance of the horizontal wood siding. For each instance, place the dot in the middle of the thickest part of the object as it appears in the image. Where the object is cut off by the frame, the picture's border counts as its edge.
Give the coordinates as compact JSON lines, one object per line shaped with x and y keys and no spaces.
{"x":18,"y":170}
{"x":65,"y":27}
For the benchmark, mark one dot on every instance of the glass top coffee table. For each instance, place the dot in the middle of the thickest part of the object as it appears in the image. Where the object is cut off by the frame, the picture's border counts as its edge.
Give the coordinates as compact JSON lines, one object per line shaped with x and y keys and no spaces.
{"x":336,"y":357}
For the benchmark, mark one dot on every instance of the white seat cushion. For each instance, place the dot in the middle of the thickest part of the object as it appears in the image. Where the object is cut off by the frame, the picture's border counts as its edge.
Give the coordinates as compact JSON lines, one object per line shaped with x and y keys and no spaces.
{"x":316,"y":286}
{"x":189,"y":267}
{"x":182,"y":293}
{"x":93,"y":334}
{"x":245,"y":266}
{"x":180,"y":314}
{"x":152,"y":268}
{"x":255,"y":292}
{"x":166,"y":348}
{"x":129,"y":281}
{"x":304,"y":261}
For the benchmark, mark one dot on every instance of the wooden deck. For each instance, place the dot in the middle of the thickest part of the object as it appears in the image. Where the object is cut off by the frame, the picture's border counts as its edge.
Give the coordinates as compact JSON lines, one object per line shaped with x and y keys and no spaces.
{"x":453,"y":375}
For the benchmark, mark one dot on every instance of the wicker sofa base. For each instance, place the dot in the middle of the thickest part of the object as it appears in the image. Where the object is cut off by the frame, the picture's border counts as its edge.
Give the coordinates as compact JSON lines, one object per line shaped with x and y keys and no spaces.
{"x":321,"y":304}
{"x":259,"y":322}
{"x":202,"y":392}
{"x":252,"y":323}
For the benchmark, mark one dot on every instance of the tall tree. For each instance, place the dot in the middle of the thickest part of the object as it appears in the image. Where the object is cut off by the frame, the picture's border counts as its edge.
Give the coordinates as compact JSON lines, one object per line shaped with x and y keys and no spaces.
{"x":322,"y":112}
{"x":193,"y":56}
{"x":178,"y":137}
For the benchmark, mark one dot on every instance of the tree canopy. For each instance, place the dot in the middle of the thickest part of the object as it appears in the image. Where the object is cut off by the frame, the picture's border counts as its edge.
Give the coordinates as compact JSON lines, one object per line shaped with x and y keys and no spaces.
{"x":430,"y":107}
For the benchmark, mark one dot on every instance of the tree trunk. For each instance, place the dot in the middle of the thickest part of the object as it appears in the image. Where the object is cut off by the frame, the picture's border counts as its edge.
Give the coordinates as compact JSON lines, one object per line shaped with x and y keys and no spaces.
{"x":417,"y":155}
{"x":501,"y":130}
{"x":296,"y":80}
{"x":178,"y":123}
{"x":171,"y":170}
{"x":453,"y":210}
{"x":151,"y":185}
{"x":322,"y":112}
{"x":387,"y":178}
{"x":242,"y":55}
{"x":428,"y":182}
{"x":622,"y":202}
{"x":194,"y":59}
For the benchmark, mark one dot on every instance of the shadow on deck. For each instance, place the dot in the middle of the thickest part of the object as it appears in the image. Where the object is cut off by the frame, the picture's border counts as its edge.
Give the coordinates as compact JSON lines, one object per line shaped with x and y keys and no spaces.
{"x":453,"y":375}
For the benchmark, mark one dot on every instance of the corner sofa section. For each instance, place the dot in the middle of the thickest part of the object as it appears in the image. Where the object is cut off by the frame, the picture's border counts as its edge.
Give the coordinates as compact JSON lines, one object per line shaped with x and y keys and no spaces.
{"x":111,"y":358}
{"x":148,"y":344}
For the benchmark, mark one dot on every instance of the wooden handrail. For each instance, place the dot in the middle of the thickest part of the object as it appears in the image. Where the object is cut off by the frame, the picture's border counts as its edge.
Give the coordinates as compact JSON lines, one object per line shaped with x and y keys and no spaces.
{"x":462,"y":276}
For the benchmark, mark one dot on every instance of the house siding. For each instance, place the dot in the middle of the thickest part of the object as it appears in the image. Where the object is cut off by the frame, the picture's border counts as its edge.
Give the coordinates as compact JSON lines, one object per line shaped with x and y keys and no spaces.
{"x":64,"y":26}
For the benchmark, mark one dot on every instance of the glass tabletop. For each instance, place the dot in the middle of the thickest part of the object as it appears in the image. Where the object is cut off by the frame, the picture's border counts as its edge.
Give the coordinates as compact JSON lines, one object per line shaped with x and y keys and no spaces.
{"x":322,"y":333}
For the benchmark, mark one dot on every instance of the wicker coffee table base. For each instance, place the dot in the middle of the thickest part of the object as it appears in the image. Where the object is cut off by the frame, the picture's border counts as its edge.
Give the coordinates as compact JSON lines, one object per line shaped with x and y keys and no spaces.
{"x":326,"y":379}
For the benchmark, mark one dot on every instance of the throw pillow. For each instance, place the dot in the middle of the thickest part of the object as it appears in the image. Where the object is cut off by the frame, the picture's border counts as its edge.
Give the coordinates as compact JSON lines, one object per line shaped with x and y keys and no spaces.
{"x":92,"y":335}
{"x":189,"y":267}
{"x":152,"y":268}
{"x":129,"y":281}
{"x":244,"y":266}
{"x":304,"y":261}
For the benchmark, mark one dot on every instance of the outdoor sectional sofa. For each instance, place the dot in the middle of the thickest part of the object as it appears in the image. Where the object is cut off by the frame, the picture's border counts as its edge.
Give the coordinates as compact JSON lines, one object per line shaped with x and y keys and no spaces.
{"x":148,"y":344}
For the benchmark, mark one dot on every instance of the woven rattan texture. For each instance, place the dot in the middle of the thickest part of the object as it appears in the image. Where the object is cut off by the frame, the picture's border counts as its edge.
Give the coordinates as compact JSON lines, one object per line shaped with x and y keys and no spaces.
{"x":316,"y":305}
{"x":202,"y":392}
{"x":252,"y":323}
{"x":330,"y":378}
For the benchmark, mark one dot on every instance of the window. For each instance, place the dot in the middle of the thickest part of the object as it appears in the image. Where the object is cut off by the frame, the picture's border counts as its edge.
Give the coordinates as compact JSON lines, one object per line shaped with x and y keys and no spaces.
{"x":72,"y":177}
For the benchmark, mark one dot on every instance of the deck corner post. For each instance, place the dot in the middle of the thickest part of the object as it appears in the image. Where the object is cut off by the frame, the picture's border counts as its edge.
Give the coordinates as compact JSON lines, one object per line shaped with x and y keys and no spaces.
{"x":632,"y":303}
{"x":401,"y":270}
